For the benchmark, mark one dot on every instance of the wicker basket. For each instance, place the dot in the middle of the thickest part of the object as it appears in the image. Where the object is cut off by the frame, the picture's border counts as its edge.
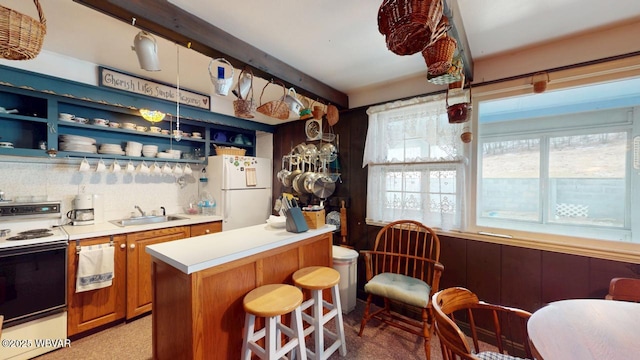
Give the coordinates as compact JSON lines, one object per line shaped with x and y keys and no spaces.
{"x":245,"y":108}
{"x":21,"y":36}
{"x":221,"y":150}
{"x":439,"y":55}
{"x":408,"y":24}
{"x":276,"y":108}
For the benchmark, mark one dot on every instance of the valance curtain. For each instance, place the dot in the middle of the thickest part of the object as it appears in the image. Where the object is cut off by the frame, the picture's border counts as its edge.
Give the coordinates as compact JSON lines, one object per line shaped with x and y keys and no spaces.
{"x":415,"y":162}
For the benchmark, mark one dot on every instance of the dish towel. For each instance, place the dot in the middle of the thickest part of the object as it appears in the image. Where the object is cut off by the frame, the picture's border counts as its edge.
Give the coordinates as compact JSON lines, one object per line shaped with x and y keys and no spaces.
{"x":95,"y":267}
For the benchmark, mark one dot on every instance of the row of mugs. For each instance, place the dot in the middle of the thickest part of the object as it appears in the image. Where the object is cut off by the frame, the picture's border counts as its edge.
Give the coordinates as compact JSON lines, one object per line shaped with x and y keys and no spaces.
{"x":142,"y":168}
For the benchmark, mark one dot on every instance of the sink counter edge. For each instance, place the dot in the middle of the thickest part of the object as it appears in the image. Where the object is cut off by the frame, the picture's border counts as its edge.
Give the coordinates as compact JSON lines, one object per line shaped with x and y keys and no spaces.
{"x":202,"y":252}
{"x":106,"y":228}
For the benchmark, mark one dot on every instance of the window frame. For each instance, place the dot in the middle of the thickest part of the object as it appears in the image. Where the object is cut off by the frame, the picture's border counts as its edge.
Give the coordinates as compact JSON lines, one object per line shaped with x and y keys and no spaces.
{"x":579,"y":76}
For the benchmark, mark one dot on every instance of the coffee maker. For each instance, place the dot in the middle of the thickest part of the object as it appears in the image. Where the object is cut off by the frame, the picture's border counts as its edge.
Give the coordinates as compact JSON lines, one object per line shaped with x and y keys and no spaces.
{"x":83,"y":211}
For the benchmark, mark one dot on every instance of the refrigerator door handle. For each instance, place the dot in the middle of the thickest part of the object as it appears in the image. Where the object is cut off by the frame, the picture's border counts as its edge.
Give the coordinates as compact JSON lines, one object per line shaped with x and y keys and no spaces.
{"x":226,"y":211}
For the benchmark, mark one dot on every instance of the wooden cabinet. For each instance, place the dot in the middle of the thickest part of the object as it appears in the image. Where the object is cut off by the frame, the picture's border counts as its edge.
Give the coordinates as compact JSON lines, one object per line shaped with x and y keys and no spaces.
{"x":130,"y":294}
{"x":206,"y":228}
{"x":139,"y":294}
{"x":89,"y":309}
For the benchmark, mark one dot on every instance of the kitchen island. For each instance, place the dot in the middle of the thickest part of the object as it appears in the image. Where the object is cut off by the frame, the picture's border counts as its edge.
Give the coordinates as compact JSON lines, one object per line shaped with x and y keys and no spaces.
{"x":199,"y":284}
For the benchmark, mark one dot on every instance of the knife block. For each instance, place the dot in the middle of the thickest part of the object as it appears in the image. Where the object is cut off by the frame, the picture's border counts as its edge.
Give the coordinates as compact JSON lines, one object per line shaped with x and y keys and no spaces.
{"x":295,"y":221}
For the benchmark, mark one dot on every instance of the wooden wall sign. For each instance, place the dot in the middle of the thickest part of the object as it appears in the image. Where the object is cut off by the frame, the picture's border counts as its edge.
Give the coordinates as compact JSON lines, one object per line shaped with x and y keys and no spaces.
{"x":118,"y":80}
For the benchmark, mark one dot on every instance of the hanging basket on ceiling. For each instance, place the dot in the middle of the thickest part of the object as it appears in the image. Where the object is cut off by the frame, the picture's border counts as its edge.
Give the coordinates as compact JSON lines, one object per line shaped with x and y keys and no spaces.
{"x":276,"y":108}
{"x":439,"y":55}
{"x":21,"y":36}
{"x":408,"y":24}
{"x":245,"y":107}
{"x":460,"y":112}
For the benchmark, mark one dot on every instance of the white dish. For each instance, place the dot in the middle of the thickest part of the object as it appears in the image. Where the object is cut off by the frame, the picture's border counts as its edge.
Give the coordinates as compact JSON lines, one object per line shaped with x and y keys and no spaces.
{"x":80,"y":139}
{"x":196,"y":137}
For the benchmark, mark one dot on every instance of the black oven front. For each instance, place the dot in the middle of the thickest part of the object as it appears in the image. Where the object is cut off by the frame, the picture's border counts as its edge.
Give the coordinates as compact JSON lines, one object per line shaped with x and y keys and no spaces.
{"x":32,"y":281}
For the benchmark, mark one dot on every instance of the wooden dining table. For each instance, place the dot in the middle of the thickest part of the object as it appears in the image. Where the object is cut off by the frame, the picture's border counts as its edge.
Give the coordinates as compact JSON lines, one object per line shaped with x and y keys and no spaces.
{"x":586,"y":329}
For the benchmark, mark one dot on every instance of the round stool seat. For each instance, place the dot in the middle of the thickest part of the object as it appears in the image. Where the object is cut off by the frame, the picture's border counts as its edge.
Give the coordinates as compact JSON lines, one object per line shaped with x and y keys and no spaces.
{"x":272,"y":300}
{"x":316,"y":277}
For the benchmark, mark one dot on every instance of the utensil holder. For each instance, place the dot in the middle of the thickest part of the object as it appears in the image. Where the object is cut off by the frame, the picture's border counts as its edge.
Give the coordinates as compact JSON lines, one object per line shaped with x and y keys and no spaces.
{"x":295,"y":222}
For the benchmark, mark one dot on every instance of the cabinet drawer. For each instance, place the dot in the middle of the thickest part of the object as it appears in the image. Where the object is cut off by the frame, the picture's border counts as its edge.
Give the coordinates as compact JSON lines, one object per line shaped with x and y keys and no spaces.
{"x":206,"y":228}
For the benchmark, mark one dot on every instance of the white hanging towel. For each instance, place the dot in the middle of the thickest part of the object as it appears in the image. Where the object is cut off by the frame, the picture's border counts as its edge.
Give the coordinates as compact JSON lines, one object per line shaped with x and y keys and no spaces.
{"x":95,"y":267}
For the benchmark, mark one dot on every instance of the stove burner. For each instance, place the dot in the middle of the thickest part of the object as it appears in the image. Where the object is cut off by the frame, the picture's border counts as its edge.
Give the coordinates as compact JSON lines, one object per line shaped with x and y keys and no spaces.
{"x":32,"y":234}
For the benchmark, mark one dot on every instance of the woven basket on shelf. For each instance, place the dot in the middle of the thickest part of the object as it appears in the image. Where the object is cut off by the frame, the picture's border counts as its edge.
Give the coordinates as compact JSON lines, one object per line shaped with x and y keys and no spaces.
{"x":408,"y":24}
{"x":21,"y":36}
{"x":245,"y":108}
{"x":439,"y":55}
{"x":221,"y":150}
{"x":276,"y":108}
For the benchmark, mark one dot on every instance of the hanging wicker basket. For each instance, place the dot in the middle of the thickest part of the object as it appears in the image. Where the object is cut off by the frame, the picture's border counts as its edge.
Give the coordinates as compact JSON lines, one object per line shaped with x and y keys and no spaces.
{"x":21,"y":36}
{"x":408,"y":24}
{"x":276,"y":108}
{"x":245,"y":108}
{"x":439,"y":55}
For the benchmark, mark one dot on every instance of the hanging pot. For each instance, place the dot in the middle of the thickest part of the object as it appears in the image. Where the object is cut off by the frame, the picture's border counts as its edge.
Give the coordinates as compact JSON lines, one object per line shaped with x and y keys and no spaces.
{"x":459,"y":113}
{"x":323,"y":187}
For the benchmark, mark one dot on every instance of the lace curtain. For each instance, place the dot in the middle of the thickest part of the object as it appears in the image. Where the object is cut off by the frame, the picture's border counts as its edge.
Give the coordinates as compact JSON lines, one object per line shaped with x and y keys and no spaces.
{"x":415,"y":162}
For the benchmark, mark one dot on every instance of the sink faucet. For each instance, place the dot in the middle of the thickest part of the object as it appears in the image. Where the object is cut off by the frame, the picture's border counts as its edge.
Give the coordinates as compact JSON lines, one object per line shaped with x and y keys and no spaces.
{"x":139,"y":209}
{"x":164,"y":211}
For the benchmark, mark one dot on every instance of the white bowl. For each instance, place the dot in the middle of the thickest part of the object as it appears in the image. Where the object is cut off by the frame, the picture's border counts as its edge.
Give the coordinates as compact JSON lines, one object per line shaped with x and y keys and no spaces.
{"x":278,"y":222}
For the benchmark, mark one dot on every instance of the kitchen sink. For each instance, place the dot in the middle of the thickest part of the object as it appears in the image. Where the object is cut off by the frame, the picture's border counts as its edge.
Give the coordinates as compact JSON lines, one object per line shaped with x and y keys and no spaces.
{"x":142,"y":220}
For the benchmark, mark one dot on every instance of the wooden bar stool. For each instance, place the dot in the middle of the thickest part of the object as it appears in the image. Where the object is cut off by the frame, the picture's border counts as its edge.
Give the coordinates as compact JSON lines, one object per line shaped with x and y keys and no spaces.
{"x":271,"y":302}
{"x":316,"y":279}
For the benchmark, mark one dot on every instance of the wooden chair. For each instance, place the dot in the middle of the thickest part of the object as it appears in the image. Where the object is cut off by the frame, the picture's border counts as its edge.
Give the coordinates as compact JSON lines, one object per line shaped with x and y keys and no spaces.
{"x":495,"y":319}
{"x":625,"y":289}
{"x":403,"y":267}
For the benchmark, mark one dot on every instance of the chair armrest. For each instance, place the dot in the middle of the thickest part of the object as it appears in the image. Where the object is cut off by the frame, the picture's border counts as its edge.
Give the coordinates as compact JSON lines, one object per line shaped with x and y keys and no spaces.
{"x":438,"y":268}
{"x":367,"y":263}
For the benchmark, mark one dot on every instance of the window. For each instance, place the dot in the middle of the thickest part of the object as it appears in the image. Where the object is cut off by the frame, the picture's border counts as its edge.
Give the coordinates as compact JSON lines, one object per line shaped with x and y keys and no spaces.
{"x":415,"y":164}
{"x":561,"y":162}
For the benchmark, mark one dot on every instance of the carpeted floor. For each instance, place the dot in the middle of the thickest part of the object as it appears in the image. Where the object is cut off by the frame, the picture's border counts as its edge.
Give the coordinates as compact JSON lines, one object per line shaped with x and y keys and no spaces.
{"x":132,"y":341}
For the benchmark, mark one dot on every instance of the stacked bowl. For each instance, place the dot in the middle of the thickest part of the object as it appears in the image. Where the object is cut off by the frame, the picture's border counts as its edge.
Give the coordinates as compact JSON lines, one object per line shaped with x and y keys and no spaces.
{"x":133,"y":148}
{"x":149,"y":150}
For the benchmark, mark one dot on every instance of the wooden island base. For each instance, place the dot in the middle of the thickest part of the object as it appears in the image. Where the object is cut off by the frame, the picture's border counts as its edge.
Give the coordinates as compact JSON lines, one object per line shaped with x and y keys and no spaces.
{"x":200,"y":315}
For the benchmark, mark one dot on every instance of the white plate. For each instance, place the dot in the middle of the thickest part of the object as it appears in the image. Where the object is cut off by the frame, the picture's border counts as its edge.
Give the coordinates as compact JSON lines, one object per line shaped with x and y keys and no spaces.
{"x":77,"y":138}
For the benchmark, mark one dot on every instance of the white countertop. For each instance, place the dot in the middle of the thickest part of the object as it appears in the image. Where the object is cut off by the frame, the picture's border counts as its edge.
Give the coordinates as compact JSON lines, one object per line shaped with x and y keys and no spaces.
{"x":202,"y":252}
{"x":105,"y":229}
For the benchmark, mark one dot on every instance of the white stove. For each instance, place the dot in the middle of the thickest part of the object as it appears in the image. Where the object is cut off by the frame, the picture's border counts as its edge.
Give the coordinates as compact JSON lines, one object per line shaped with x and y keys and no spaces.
{"x":30,"y":224}
{"x":33,"y":276}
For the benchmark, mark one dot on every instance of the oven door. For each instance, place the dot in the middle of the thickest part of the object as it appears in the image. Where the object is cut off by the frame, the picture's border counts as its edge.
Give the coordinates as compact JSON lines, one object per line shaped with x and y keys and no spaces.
{"x":33,"y":281}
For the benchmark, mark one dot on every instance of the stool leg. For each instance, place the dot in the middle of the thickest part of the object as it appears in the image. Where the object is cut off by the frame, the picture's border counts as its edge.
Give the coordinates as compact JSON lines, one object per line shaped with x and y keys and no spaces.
{"x":318,"y":332}
{"x":301,"y":349}
{"x":249,"y":324}
{"x":270,"y":337}
{"x":335,"y":294}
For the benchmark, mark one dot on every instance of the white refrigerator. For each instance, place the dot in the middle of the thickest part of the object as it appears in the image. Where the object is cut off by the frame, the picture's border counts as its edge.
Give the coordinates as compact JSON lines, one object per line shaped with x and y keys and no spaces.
{"x":241,"y":186}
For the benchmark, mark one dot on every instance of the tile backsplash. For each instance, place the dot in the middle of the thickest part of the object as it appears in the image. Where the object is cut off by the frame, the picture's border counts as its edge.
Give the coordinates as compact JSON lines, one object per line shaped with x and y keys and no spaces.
{"x":120,"y":192}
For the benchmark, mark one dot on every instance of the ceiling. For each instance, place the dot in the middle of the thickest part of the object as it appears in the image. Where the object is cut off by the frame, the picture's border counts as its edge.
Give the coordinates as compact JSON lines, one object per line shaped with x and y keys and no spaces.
{"x":334,"y":41}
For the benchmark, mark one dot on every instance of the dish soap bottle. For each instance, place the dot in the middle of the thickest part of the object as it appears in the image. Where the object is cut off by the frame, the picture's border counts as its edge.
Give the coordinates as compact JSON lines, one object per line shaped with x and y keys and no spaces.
{"x":206,"y":202}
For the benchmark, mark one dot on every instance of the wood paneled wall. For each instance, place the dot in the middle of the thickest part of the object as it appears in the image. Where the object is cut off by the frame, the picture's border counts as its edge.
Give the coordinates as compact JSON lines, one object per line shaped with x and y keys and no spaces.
{"x":508,"y":275}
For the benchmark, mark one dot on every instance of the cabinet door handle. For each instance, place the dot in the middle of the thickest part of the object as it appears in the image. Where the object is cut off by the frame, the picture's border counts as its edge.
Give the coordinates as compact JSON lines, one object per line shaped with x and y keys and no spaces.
{"x":132,"y":246}
{"x":207,"y":231}
{"x":122,"y":246}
